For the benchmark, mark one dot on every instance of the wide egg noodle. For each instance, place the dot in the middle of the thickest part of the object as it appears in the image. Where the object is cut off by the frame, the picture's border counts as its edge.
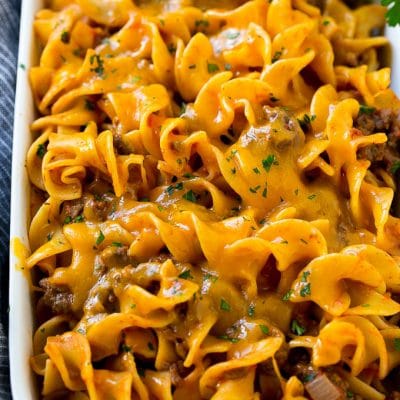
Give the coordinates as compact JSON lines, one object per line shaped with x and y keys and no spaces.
{"x":207,"y":219}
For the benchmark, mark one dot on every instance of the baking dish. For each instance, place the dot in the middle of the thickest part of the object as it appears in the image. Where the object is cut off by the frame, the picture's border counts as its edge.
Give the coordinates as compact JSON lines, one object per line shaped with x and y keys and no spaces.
{"x":21,"y":321}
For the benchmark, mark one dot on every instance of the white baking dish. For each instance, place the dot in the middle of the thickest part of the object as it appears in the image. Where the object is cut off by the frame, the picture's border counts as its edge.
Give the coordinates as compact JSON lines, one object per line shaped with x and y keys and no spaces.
{"x":21,"y":319}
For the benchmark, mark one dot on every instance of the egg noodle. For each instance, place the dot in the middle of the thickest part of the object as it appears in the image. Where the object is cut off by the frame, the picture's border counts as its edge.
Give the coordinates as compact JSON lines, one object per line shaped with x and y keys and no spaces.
{"x":212,"y":189}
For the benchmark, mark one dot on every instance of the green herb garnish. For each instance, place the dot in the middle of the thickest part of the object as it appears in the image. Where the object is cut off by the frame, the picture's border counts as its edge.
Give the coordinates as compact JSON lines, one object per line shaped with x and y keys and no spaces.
{"x":224,"y":305}
{"x":296,"y":328}
{"x":100,"y":238}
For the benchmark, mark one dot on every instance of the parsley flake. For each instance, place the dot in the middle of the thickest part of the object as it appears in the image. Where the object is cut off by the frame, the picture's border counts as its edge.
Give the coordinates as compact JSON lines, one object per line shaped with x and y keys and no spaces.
{"x":211,"y":68}
{"x":264,"y":329}
{"x":190,"y":196}
{"x":305,"y":290}
{"x":224,"y":305}
{"x":304,"y":276}
{"x":229,"y":339}
{"x":366,"y":109}
{"x":395,"y":167}
{"x":185,"y":275}
{"x":41,"y":150}
{"x":296,"y":328}
{"x":397,"y":344}
{"x":65,"y":37}
{"x":393,"y":13}
{"x":286,"y":296}
{"x":201,"y":22}
{"x":251,"y":310}
{"x":254,"y":189}
{"x":99,"y":69}
{"x":171,"y":188}
{"x":268,"y":162}
{"x":232,"y":34}
{"x":100,"y":238}
{"x":277,"y":55}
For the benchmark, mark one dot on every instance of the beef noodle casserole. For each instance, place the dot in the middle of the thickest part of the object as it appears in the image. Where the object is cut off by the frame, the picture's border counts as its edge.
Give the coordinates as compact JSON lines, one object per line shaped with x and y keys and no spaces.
{"x":214,"y":201}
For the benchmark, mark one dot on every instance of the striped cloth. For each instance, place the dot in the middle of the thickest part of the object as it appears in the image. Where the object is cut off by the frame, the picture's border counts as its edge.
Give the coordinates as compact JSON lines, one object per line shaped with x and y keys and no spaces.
{"x":9,"y":28}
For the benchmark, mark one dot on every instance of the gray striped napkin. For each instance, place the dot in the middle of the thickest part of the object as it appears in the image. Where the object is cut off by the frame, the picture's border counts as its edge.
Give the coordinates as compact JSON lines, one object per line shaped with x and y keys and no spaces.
{"x":9,"y":28}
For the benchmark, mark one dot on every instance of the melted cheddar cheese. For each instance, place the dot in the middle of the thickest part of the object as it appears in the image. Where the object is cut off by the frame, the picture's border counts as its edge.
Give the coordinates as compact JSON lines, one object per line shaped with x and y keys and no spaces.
{"x":205,"y":223}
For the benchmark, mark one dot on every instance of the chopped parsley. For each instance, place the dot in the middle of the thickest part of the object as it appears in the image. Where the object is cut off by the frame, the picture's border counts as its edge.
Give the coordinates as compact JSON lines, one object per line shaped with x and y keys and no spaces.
{"x":227,"y":67}
{"x":41,"y":150}
{"x":65,"y":37}
{"x":395,"y":167}
{"x":304,"y":276}
{"x":397,"y":344}
{"x":286,"y":296}
{"x":393,"y":12}
{"x":312,"y":196}
{"x":67,"y":220}
{"x":190,"y":196}
{"x":251,"y":310}
{"x":79,"y":218}
{"x":268,"y":162}
{"x":309,"y":377}
{"x":265,"y":192}
{"x":256,"y":170}
{"x":305,"y":290}
{"x":171,"y":188}
{"x":78,"y":52}
{"x":366,"y":109}
{"x":254,"y":189}
{"x":325,"y":22}
{"x":22,"y":66}
{"x":349,"y":394}
{"x":296,"y":328}
{"x":230,"y":157}
{"x":211,"y":277}
{"x":192,"y":66}
{"x":277,"y":55}
{"x":125,"y":348}
{"x":201,"y":22}
{"x":229,"y":339}
{"x":116,"y":244}
{"x":100,"y":238}
{"x":305,"y":122}
{"x":211,"y":68}
{"x":224,"y":305}
{"x":99,"y":69}
{"x":232,"y":34}
{"x":185,"y":275}
{"x":264,"y":329}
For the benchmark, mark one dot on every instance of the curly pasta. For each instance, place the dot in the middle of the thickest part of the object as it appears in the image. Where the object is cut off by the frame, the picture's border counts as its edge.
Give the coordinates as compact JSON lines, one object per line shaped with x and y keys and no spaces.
{"x":214,"y":196}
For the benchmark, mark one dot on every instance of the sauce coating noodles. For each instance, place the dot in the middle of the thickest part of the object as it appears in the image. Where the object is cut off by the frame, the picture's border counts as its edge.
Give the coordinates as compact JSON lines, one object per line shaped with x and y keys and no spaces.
{"x":214,"y":201}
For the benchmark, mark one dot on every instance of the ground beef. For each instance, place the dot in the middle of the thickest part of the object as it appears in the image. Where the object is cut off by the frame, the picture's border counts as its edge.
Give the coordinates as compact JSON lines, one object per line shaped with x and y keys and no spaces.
{"x":119,"y":144}
{"x":102,"y":206}
{"x":72,"y":208}
{"x":387,"y":121}
{"x":383,"y":155}
{"x":58,"y":298}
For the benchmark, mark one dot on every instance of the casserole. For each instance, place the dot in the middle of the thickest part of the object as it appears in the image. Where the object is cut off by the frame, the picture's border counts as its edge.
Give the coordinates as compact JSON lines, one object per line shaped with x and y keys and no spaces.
{"x":20,"y":307}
